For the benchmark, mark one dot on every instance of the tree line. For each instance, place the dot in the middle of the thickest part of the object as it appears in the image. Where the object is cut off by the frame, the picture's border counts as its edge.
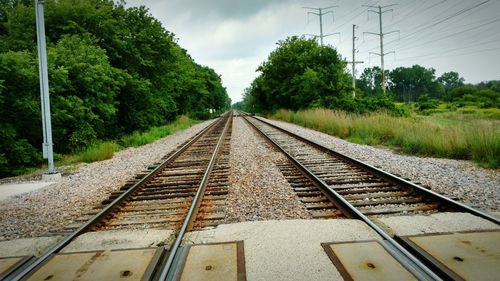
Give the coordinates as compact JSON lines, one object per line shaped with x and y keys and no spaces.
{"x":112,"y":71}
{"x":301,"y":74}
{"x":420,"y":84}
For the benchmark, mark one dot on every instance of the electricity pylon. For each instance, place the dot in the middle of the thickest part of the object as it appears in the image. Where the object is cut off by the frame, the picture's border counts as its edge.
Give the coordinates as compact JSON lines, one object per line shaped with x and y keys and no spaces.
{"x":320,"y":13}
{"x":381,"y":34}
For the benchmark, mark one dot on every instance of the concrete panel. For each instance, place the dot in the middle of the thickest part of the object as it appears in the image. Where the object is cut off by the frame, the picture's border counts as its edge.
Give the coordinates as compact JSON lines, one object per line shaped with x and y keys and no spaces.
{"x":366,"y":261}
{"x":120,"y":265}
{"x":463,"y":256}
{"x":215,"y":262}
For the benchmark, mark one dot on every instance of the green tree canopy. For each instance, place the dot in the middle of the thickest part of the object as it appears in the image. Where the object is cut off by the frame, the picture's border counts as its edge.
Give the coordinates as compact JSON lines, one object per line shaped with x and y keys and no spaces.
{"x":112,"y":70}
{"x":409,"y":83}
{"x":450,"y":80}
{"x":298,"y":74}
{"x":370,"y":81}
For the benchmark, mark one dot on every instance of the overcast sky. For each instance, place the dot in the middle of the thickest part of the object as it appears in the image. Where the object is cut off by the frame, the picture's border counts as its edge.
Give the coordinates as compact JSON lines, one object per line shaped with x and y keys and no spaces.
{"x":235,"y":36}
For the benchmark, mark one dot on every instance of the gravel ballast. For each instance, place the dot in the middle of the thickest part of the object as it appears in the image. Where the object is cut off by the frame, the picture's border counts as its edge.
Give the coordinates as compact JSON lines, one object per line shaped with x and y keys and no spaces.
{"x":51,"y":208}
{"x":458,"y":179}
{"x":259,"y":191}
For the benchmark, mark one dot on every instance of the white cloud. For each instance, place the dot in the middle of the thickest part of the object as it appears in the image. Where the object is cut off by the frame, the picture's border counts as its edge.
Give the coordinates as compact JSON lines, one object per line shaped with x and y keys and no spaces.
{"x":235,"y":36}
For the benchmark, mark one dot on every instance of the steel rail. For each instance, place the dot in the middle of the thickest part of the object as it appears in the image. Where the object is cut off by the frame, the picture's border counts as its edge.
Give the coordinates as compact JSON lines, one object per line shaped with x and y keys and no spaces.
{"x":393,"y":178}
{"x":108,"y":209}
{"x":194,"y":205}
{"x":409,"y":261}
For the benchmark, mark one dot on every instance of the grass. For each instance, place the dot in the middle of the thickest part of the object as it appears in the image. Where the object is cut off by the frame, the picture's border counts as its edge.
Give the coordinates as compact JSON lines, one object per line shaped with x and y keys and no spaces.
{"x":103,"y":150}
{"x":98,"y":151}
{"x":141,"y":138}
{"x":448,"y":135}
{"x":155,"y":133}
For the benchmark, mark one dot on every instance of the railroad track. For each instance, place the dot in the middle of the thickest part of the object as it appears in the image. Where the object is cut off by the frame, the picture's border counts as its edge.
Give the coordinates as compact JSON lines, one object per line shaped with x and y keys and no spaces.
{"x":186,"y":191}
{"x":163,"y":200}
{"x":332,"y":185}
{"x":312,"y":167}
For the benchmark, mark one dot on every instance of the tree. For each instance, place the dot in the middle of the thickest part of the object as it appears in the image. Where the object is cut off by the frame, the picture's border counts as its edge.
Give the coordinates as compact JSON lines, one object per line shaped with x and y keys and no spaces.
{"x":409,"y":83}
{"x":370,"y":80}
{"x":112,"y":70}
{"x":450,"y":80}
{"x":20,"y":125}
{"x":298,"y":74}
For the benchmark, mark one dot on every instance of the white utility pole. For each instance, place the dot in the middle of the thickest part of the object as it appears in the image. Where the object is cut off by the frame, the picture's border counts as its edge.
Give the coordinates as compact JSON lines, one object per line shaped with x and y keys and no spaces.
{"x":320,"y":13}
{"x":354,"y":62}
{"x":381,"y":34}
{"x":44,"y":88}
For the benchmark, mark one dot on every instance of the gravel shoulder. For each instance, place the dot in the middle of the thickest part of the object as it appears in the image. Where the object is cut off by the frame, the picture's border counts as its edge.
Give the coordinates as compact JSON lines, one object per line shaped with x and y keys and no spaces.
{"x":458,"y":179}
{"x":51,"y":208}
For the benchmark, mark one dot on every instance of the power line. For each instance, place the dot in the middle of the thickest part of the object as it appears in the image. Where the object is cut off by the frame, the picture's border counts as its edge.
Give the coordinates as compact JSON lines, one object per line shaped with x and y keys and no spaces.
{"x":414,"y":12}
{"x":442,"y":20}
{"x":461,"y":48}
{"x":436,"y":56}
{"x":452,"y":34}
{"x":357,"y":15}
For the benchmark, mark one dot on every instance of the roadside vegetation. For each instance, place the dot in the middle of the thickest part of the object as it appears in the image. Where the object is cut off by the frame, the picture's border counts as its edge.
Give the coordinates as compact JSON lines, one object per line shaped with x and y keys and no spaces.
{"x":420,"y":114}
{"x":450,"y":136}
{"x":115,"y":73}
{"x":103,"y":150}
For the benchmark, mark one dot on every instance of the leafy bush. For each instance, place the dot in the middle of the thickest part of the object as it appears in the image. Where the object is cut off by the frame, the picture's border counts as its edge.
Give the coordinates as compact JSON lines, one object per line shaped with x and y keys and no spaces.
{"x":428,"y":104}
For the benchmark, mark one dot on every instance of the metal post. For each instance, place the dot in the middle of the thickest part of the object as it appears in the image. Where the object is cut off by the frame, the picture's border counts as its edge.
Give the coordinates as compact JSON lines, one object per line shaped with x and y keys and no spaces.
{"x":321,"y":26}
{"x":381,"y":48}
{"x":353,"y":60}
{"x":44,"y":87}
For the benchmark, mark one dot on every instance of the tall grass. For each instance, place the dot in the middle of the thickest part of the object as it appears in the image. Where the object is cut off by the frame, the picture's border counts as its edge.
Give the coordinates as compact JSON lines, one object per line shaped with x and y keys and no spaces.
{"x":155,"y":133}
{"x":103,"y":150}
{"x":98,"y":152}
{"x":474,"y":139}
{"x":141,"y":138}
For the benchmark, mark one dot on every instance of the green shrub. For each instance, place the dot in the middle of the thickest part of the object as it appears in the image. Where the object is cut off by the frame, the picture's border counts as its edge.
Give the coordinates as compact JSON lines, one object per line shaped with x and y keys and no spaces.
{"x":428,"y":104}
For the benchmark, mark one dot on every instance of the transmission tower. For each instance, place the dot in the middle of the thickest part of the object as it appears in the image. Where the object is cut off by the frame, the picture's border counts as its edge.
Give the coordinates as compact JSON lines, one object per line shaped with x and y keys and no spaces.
{"x":380,"y":11}
{"x":354,"y":62}
{"x":320,"y":13}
